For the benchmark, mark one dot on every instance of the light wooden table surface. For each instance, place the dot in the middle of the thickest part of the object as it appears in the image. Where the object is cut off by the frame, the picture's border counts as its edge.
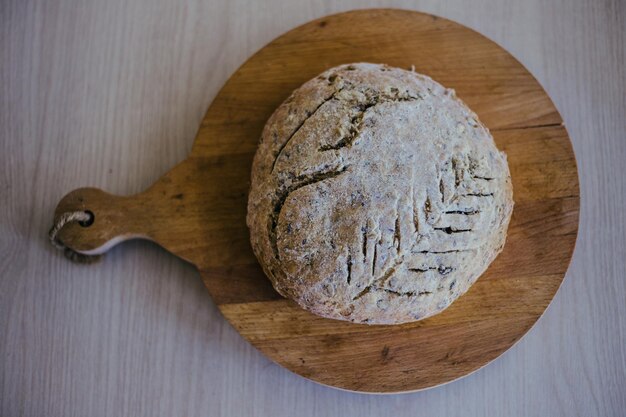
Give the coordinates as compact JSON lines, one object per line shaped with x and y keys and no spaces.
{"x":110,"y":94}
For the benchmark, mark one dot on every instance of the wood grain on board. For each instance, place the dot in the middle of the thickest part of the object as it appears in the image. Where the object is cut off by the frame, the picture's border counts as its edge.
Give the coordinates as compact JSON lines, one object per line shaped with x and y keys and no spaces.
{"x":197,"y":210}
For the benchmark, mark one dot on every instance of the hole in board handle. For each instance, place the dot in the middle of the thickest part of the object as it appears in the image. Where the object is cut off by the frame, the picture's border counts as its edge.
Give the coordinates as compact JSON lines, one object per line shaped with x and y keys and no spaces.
{"x":89,"y":221}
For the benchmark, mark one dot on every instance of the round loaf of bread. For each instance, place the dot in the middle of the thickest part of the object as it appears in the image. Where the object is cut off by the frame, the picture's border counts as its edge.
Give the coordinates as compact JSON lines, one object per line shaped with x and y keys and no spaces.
{"x":377,"y":196}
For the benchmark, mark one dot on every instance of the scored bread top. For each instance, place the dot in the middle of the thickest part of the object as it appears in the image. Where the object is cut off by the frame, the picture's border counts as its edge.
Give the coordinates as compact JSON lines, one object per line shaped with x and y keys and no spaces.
{"x":377,"y":196}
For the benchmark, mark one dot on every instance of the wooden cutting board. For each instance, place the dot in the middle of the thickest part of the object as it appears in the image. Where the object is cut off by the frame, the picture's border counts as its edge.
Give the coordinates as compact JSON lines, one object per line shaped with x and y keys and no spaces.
{"x":197,"y":211}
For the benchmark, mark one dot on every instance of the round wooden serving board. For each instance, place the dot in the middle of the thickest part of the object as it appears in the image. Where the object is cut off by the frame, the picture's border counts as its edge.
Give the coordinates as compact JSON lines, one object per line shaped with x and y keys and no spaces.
{"x":197,"y":211}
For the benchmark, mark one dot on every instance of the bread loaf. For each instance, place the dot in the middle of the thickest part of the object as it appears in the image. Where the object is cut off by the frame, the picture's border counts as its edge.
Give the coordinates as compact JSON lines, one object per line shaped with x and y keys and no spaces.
{"x":377,"y":196}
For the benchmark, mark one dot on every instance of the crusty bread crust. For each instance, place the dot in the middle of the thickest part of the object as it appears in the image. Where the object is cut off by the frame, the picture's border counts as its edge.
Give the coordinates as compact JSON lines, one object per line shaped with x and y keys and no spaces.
{"x":377,"y":196}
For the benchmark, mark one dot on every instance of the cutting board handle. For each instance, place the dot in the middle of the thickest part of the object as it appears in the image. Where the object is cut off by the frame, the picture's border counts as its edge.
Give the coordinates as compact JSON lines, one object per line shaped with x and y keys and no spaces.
{"x":196,"y":211}
{"x":112,"y":219}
